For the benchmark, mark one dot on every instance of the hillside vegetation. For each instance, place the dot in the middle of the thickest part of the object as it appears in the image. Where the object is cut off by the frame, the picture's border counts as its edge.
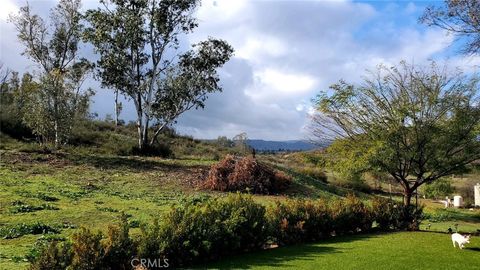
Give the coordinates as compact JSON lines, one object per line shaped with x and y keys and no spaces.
{"x":96,"y":179}
{"x":49,"y":194}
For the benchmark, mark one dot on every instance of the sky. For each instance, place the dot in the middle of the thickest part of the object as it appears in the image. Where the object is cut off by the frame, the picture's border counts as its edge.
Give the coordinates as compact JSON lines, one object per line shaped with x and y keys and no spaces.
{"x":286,"y":52}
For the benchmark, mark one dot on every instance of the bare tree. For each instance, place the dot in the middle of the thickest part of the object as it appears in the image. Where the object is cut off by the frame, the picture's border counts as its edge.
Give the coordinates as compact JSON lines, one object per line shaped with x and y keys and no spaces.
{"x":460,"y":17}
{"x":4,"y":74}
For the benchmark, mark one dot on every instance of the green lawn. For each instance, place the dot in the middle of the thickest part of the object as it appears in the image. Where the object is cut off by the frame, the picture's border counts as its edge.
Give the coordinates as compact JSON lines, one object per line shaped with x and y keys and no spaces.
{"x":402,"y":250}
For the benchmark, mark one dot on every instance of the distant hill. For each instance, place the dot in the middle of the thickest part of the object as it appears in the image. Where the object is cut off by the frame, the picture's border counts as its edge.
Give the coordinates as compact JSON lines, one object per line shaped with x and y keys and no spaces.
{"x":292,"y":145}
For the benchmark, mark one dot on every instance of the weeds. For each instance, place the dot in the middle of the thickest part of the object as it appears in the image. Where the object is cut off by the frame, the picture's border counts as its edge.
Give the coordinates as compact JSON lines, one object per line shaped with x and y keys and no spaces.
{"x":18,"y":230}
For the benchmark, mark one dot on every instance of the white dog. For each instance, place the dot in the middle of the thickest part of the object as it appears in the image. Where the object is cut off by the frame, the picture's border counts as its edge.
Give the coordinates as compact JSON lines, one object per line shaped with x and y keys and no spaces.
{"x":460,"y":240}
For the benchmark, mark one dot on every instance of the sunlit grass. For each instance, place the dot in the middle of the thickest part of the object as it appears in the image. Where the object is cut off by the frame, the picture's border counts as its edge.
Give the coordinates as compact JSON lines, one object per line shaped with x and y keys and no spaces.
{"x":403,"y":250}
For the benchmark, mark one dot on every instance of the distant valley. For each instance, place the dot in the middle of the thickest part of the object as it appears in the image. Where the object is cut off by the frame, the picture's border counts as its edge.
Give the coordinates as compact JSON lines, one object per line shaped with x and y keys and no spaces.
{"x":290,"y":145}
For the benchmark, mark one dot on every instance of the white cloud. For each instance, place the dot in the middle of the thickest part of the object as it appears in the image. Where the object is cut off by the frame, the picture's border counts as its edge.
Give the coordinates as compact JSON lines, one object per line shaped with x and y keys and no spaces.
{"x":286,"y":51}
{"x":7,"y":8}
{"x":285,"y":82}
{"x":257,"y":47}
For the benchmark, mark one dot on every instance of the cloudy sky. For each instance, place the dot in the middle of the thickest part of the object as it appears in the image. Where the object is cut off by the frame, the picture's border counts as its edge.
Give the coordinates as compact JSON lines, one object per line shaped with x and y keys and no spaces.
{"x":285,"y":53}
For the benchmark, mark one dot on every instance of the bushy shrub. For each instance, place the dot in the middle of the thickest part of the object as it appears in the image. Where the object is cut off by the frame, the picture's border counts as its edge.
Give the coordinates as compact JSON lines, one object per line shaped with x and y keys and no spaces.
{"x":245,"y":174}
{"x":18,"y":230}
{"x":118,"y":247}
{"x":88,"y":250}
{"x":350,"y":215}
{"x":392,"y":215}
{"x":353,"y":180}
{"x":438,"y":189}
{"x":12,"y":125}
{"x":20,"y":207}
{"x":297,"y":221}
{"x":438,"y":216}
{"x":54,"y":256}
{"x":314,"y":172}
{"x":202,"y":232}
{"x":206,"y":228}
{"x":467,"y":193}
{"x":158,"y":149}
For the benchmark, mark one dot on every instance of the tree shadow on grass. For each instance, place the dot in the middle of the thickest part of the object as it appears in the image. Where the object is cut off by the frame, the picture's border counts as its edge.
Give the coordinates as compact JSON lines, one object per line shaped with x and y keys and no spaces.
{"x":307,"y":186}
{"x":283,"y":257}
{"x":126,"y":163}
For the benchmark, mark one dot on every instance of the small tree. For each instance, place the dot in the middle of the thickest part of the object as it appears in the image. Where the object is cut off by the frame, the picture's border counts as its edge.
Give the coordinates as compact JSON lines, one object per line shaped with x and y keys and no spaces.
{"x":417,"y":124}
{"x":240,"y":141}
{"x":138,"y":43}
{"x":60,"y":98}
{"x":4,"y":75}
{"x":438,"y":189}
{"x":460,"y":17}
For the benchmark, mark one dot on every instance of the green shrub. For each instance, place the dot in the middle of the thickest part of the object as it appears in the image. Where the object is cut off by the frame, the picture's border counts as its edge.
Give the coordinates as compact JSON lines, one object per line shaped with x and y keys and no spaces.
{"x":158,"y":149}
{"x":314,"y":172}
{"x":45,"y":197}
{"x":200,"y":232}
{"x":118,"y":246}
{"x":205,"y":228}
{"x":350,"y":215}
{"x":392,"y":215}
{"x":20,"y":207}
{"x":87,"y":250}
{"x":15,"y":231}
{"x":12,"y":125}
{"x":353,"y":180}
{"x":54,"y":255}
{"x":438,"y":189}
{"x":297,"y":221}
{"x":438,"y":216}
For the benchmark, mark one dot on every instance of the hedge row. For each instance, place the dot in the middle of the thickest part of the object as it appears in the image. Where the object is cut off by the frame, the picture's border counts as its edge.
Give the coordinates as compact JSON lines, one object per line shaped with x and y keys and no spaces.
{"x":202,"y":231}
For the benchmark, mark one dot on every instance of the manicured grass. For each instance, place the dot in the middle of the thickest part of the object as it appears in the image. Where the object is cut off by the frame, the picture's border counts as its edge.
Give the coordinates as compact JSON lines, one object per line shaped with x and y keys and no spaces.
{"x":402,"y":250}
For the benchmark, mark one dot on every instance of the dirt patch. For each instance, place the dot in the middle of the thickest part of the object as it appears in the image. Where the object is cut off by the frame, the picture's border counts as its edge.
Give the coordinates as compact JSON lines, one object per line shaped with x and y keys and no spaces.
{"x":53,"y":159}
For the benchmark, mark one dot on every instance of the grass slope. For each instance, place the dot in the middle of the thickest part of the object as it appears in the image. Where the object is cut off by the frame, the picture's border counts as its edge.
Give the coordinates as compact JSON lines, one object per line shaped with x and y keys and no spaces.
{"x":402,"y":250}
{"x":92,"y":190}
{"x":83,"y":187}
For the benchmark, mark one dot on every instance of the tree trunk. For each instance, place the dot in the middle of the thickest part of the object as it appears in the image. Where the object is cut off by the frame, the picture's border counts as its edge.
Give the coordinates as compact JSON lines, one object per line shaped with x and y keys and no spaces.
{"x":407,"y":197}
{"x":155,"y":135}
{"x":56,"y":133}
{"x":138,"y":106}
{"x":410,"y":217}
{"x":145,"y":131}
{"x":117,"y":108}
{"x":55,"y":121}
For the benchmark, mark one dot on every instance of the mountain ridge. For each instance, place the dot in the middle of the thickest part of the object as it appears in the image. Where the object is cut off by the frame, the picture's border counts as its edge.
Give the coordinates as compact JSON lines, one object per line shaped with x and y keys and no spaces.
{"x":287,"y":145}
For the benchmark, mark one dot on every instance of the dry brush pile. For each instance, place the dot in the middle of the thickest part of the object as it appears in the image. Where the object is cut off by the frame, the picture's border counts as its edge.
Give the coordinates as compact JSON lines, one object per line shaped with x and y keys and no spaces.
{"x":245,"y":174}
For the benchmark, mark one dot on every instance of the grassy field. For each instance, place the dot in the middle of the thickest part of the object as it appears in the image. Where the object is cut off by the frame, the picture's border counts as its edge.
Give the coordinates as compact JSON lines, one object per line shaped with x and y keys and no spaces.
{"x":68,"y":189}
{"x":403,"y":250}
{"x":90,"y":191}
